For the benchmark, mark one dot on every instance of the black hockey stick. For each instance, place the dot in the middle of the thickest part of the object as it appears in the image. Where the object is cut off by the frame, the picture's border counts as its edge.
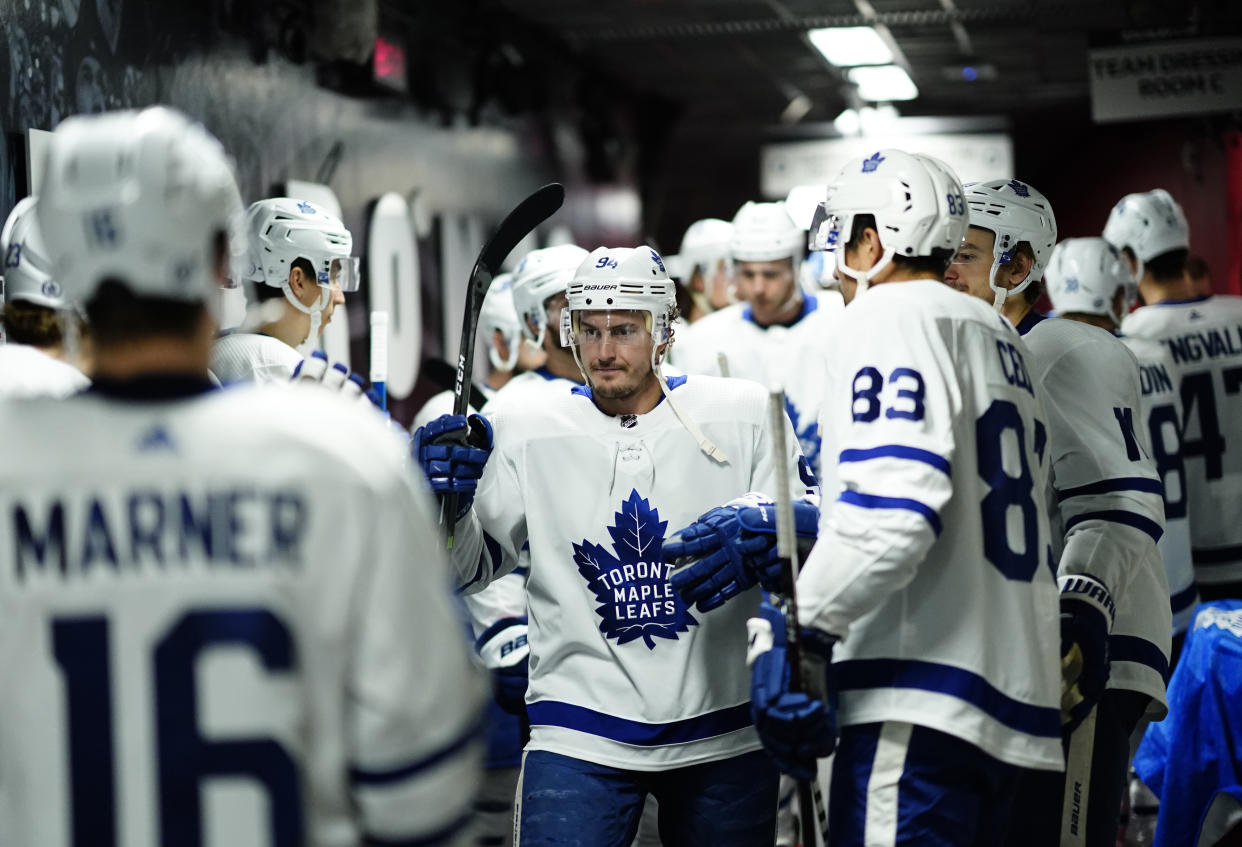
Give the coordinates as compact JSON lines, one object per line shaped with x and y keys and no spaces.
{"x":519,"y":223}
{"x":444,"y":376}
{"x":812,"y":818}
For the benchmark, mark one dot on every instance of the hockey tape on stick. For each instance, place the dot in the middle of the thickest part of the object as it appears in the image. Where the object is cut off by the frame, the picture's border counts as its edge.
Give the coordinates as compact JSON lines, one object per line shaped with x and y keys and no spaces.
{"x":379,"y":356}
{"x":519,"y":223}
{"x":1078,"y":783}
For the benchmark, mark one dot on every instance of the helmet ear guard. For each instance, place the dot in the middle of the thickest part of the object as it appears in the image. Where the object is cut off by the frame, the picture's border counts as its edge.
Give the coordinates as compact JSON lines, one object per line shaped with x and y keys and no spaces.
{"x":1015,"y":213}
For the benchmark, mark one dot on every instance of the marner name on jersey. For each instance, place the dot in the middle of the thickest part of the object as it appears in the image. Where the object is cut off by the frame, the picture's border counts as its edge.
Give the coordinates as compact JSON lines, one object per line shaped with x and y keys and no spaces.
{"x":73,"y":535}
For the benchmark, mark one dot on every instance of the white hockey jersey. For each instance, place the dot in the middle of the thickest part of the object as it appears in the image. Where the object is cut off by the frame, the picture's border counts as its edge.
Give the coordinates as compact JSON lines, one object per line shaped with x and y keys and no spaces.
{"x":788,"y":355}
{"x":220,"y":625}
{"x":1106,"y":508}
{"x":251,"y":357}
{"x":622,"y":673}
{"x":1162,"y":417}
{"x":933,"y":560}
{"x":26,"y":371}
{"x":1204,"y":339}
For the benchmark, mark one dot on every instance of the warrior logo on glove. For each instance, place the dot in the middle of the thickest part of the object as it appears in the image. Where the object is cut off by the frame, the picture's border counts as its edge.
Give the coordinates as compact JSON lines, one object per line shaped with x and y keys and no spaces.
{"x":636,"y":599}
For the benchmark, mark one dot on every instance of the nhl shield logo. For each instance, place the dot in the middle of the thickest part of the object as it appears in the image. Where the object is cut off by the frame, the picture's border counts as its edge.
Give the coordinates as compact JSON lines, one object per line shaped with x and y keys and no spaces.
{"x":635,"y":597}
{"x":870,"y":164}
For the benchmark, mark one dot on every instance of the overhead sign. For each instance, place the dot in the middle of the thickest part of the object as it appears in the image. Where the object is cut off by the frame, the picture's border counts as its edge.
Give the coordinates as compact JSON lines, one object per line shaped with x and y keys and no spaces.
{"x":973,"y":156}
{"x":1162,"y":79}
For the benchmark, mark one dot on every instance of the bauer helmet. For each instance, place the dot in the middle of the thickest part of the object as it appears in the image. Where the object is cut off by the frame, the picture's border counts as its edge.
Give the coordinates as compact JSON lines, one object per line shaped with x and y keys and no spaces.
{"x":1150,"y":224}
{"x":27,"y":266}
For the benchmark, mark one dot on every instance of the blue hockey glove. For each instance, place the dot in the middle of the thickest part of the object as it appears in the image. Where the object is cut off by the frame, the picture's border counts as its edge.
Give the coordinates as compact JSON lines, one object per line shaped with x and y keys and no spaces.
{"x":506,"y":653}
{"x":796,"y":728}
{"x":1087,"y":614}
{"x":452,"y":451}
{"x":732,"y":547}
{"x":334,"y":376}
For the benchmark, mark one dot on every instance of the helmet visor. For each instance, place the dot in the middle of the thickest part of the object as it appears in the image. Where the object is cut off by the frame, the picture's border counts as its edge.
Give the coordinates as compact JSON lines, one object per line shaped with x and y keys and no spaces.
{"x":612,"y":327}
{"x":825,"y":230}
{"x":343,"y":273}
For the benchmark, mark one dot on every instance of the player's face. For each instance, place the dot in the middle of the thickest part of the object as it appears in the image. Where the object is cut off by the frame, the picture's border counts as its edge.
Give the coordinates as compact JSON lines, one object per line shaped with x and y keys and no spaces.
{"x":615,"y":347}
{"x":552,"y":307}
{"x":970,"y":267}
{"x":767,"y":286}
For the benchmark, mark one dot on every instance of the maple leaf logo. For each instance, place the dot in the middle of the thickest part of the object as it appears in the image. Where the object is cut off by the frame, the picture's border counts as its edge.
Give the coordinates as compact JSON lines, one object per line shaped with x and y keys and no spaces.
{"x":632,"y":587}
{"x":808,"y":436}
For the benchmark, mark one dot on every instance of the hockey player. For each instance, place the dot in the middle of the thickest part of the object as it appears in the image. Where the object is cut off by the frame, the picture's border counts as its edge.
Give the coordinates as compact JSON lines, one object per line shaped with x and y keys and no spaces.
{"x":704,"y":268}
{"x":34,"y":361}
{"x":1107,"y":515}
{"x":1087,"y":282}
{"x":300,"y":259}
{"x":212,"y":623}
{"x":1203,"y":335}
{"x":775,"y":335}
{"x":507,"y":356}
{"x":933,"y":504}
{"x":539,"y":285}
{"x":630,"y":691}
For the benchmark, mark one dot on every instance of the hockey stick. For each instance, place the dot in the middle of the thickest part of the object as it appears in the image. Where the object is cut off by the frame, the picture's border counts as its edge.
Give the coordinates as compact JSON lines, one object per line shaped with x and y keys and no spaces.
{"x":444,"y":376}
{"x":1078,"y":783}
{"x":811,"y":814}
{"x":519,"y":223}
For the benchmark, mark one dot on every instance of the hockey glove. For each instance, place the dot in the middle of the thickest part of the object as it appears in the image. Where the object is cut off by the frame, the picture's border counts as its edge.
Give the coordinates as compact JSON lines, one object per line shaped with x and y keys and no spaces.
{"x":732,"y":547}
{"x":452,"y":451}
{"x":1087,"y":614}
{"x":335,"y":377}
{"x":796,"y":728}
{"x":506,"y":654}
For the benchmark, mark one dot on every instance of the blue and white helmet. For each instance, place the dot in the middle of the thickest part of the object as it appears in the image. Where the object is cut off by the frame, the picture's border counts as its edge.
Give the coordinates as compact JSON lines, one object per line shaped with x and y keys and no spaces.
{"x":1084,"y":275}
{"x":705,"y":243}
{"x":630,"y":279}
{"x":27,"y":267}
{"x":498,"y":315}
{"x":917,"y":201}
{"x":141,"y":197}
{"x":1150,"y":224}
{"x":283,"y":229}
{"x":542,"y":274}
{"x":1015,"y":212}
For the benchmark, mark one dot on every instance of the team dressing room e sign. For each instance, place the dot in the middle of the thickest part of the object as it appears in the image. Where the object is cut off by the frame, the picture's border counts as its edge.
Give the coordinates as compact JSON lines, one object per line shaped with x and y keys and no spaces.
{"x":1171,"y":78}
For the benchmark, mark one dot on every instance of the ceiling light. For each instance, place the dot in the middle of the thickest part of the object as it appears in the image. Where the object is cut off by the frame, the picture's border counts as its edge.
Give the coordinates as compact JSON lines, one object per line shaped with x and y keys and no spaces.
{"x":847,"y":123}
{"x":849,"y":46}
{"x":884,"y":84}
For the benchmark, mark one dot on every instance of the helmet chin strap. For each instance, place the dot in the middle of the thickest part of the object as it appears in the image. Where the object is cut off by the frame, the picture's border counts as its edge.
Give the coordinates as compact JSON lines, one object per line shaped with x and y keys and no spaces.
{"x":863,"y":277}
{"x":307,"y":344}
{"x":1000,"y":295}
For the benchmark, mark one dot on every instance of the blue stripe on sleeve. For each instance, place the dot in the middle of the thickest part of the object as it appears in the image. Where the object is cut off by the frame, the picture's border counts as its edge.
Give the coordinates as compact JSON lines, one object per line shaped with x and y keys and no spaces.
{"x":386,"y":777}
{"x":440,"y":836}
{"x":638,"y":733}
{"x":1216,"y":555}
{"x":872,"y":501}
{"x":498,"y":627}
{"x":898,"y":451}
{"x":1108,"y":486}
{"x":491,"y":548}
{"x":860,"y":674}
{"x":1120,"y":516}
{"x":1131,"y":648}
{"x":1184,"y":599}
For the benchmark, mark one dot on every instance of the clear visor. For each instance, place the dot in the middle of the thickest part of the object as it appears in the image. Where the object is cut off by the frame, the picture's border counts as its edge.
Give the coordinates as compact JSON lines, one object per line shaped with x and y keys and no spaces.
{"x":825,"y":231}
{"x":970,"y":256}
{"x":342,"y":273}
{"x":620,"y":328}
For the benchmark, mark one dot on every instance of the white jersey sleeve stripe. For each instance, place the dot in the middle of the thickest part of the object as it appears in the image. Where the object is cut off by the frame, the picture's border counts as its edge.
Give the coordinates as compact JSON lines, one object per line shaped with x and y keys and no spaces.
{"x":361,"y":776}
{"x":1108,"y":486}
{"x":1140,"y":522}
{"x":1132,"y":648}
{"x":899,"y":451}
{"x":874,"y":501}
